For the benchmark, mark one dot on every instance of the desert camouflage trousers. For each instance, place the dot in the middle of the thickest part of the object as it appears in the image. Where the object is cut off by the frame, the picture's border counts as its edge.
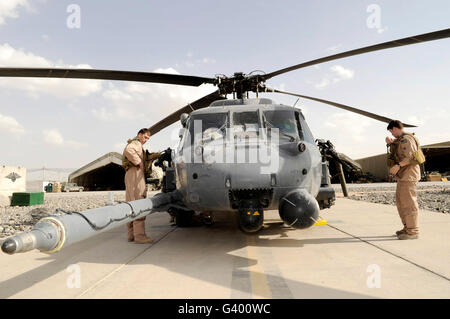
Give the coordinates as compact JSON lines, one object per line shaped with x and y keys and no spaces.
{"x":408,"y":209}
{"x":135,"y":189}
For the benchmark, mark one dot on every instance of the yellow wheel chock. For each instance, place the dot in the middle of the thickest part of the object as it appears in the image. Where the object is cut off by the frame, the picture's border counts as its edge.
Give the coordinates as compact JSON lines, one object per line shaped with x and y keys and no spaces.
{"x":320,"y":221}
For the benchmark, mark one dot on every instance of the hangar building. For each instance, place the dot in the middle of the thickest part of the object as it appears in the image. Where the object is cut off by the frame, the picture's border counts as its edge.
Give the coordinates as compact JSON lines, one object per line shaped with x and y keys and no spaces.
{"x":105,"y":173}
{"x":437,"y":160}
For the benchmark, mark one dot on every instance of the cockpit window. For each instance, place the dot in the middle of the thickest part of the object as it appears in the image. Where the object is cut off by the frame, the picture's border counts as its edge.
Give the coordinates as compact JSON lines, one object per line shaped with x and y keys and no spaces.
{"x":245,"y":124}
{"x":207,"y":127}
{"x":284,"y":121}
{"x":308,"y":134}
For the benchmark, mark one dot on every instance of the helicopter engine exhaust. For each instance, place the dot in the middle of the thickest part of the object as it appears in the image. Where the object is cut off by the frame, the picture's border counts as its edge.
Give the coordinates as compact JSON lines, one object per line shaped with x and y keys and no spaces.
{"x":299,"y":209}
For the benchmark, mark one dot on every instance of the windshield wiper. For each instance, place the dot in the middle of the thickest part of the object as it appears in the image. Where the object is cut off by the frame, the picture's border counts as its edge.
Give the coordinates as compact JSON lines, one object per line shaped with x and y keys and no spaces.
{"x":292,"y":139}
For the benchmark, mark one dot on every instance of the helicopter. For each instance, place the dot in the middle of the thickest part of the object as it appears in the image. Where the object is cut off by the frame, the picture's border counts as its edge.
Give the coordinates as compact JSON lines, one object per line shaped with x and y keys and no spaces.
{"x":244,"y":155}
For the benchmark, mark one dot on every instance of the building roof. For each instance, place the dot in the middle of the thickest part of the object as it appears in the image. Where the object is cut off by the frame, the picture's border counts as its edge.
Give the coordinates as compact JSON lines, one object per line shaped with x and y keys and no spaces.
{"x":112,"y":157}
{"x":438,"y":145}
{"x":442,"y":145}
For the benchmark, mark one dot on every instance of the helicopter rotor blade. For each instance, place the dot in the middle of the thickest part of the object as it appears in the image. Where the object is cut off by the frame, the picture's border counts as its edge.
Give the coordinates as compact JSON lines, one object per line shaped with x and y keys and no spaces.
{"x":431,"y":36}
{"x":175,"y":116}
{"x":96,"y":74}
{"x":341,"y":106}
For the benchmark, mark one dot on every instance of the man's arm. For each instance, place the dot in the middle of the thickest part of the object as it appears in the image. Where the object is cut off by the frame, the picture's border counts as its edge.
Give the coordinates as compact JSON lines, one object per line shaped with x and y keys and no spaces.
{"x":131,"y":152}
{"x":407,"y":148}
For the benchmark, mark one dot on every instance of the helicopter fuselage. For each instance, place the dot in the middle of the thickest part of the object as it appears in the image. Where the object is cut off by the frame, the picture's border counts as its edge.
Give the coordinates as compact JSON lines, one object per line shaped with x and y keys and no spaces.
{"x":245,"y":152}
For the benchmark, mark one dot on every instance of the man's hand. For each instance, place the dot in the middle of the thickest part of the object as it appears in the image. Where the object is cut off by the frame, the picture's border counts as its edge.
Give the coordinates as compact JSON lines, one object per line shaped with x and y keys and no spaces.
{"x":394,"y":169}
{"x":141,"y":165}
{"x":389,"y":140}
{"x":153,"y":156}
{"x":405,"y":162}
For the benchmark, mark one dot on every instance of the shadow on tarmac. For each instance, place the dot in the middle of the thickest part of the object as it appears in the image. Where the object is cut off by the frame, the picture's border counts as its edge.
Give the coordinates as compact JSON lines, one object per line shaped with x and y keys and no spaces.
{"x":219,"y":242}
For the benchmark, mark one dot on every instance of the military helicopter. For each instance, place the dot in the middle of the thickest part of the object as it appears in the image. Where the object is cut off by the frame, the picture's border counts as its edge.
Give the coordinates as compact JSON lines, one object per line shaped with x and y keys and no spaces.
{"x":213,"y":168}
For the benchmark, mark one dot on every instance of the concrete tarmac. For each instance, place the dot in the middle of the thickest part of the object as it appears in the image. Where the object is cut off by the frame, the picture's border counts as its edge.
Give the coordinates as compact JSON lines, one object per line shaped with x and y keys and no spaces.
{"x":354,"y":256}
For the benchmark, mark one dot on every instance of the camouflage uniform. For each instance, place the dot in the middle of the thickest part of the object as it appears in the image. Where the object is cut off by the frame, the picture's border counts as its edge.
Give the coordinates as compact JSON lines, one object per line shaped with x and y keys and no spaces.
{"x":407,"y":178}
{"x":133,"y":155}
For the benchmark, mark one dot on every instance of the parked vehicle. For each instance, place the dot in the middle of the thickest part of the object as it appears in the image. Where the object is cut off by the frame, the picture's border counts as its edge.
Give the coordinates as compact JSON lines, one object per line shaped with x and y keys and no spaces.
{"x":72,"y":187}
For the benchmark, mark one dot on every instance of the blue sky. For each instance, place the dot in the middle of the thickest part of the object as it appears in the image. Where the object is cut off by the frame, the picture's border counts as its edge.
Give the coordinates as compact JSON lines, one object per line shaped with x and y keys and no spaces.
{"x":68,"y":123}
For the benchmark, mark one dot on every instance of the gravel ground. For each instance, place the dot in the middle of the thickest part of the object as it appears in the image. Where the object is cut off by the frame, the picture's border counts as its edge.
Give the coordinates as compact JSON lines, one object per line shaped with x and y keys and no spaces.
{"x":18,"y":219}
{"x":430,"y":196}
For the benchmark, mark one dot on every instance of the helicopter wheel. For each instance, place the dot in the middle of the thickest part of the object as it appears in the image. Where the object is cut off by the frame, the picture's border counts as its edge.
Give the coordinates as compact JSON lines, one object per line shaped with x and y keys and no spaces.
{"x":250,"y":220}
{"x":207,"y":219}
{"x":183,"y":218}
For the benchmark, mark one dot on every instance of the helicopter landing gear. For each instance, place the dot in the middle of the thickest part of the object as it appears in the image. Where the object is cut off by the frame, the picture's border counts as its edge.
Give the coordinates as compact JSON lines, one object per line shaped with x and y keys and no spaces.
{"x":207,"y":218}
{"x":250,"y":219}
{"x":182,"y":218}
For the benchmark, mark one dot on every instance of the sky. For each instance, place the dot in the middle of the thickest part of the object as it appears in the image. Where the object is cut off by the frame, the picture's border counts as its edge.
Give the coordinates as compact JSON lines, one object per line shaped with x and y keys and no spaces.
{"x":69,"y":123}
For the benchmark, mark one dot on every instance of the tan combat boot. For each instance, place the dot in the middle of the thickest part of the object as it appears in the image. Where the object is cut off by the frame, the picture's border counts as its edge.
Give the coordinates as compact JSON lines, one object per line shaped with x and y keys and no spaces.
{"x":412,"y":231}
{"x":402,"y":231}
{"x":405,"y":236}
{"x":139,"y":232}
{"x":130,"y":231}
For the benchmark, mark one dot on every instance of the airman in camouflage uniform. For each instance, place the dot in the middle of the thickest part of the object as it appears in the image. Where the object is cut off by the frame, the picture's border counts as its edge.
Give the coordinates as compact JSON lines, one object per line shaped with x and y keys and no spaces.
{"x":133,"y":161}
{"x":404,"y":165}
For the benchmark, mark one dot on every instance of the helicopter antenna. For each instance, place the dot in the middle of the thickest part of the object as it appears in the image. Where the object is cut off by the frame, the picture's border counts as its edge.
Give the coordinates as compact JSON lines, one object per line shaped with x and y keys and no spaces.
{"x":191,"y":107}
{"x":293,"y":106}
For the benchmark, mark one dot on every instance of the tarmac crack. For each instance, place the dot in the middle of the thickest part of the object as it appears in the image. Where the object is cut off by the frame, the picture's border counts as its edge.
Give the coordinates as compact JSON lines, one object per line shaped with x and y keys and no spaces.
{"x":95,"y":285}
{"x":391,"y":253}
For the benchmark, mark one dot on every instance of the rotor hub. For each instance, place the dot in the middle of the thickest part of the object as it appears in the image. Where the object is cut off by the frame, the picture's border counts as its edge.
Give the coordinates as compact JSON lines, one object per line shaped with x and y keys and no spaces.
{"x":239,"y":84}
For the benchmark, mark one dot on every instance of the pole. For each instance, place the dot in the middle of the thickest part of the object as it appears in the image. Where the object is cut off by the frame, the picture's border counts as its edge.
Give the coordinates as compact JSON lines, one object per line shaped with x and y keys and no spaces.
{"x":341,"y":178}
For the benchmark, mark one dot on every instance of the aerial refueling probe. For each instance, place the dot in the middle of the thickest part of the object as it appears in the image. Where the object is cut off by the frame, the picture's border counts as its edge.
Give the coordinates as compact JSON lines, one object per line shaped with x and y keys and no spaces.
{"x":52,"y":233}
